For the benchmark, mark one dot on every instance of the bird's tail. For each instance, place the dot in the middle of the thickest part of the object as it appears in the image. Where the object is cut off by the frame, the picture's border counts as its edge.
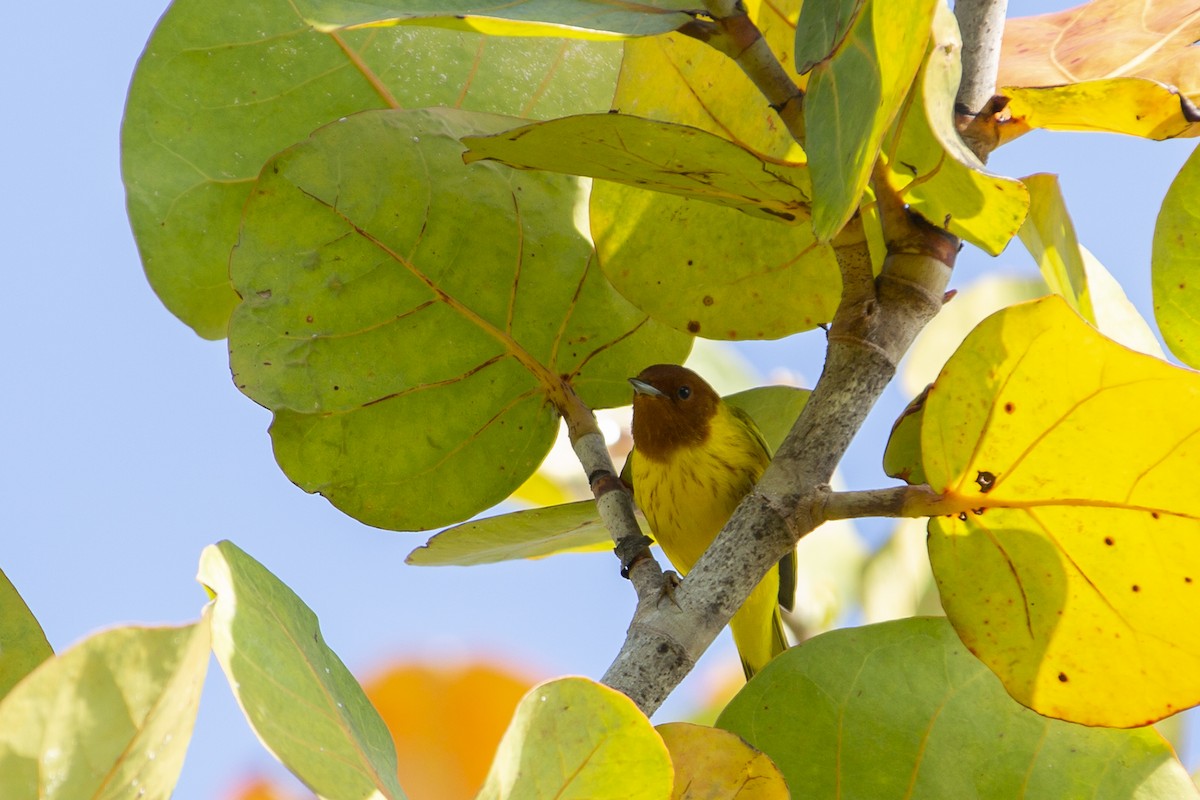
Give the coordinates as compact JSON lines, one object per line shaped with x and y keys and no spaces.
{"x":758,"y":626}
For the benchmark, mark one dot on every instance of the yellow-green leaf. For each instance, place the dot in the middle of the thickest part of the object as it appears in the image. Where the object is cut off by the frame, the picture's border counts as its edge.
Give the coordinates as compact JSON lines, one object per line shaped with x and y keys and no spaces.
{"x":576,"y":527}
{"x":676,"y":78}
{"x":1072,"y":272}
{"x":665,"y":157}
{"x":1175,"y":264}
{"x":712,"y":271}
{"x":936,"y":174}
{"x":1049,"y":235}
{"x":822,"y":26}
{"x":304,"y":705}
{"x":713,"y":764}
{"x":573,"y":739}
{"x":585,"y":19}
{"x":222,"y":86}
{"x":109,"y":718}
{"x":23,"y":644}
{"x":853,"y":98}
{"x":532,"y":533}
{"x":1132,"y":106}
{"x":414,"y":356}
{"x":1071,"y":562}
{"x":902,"y":710}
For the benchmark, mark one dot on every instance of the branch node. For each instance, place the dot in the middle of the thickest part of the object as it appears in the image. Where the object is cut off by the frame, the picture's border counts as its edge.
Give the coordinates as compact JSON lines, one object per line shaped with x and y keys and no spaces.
{"x":632,"y":550}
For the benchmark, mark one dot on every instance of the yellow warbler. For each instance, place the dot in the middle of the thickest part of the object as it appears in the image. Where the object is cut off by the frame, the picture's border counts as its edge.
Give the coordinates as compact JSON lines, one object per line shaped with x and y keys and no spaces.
{"x":694,"y":458}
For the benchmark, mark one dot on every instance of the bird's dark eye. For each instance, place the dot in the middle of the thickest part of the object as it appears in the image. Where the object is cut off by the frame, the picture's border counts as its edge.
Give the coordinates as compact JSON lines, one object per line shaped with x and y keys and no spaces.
{"x":683,"y":392}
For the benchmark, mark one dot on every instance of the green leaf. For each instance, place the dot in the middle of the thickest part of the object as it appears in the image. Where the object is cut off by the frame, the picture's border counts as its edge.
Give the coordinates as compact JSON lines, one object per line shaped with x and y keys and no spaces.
{"x":302,"y":702}
{"x":901,"y":709}
{"x":712,"y":271}
{"x":415,"y":357}
{"x":1069,"y":561}
{"x":665,"y":157}
{"x":23,"y":644}
{"x":575,"y":527}
{"x":1175,"y":263}
{"x":936,"y":174}
{"x":588,"y":19}
{"x":573,"y":739}
{"x":853,"y":98}
{"x":774,"y":409}
{"x":822,"y":27}
{"x":223,"y":86}
{"x":109,"y":718}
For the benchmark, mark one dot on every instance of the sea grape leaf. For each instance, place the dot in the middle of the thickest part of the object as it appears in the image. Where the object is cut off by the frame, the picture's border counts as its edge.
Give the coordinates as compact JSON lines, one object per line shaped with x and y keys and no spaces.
{"x":221,"y":87}
{"x":1132,"y":106}
{"x":935,"y":173}
{"x":1070,"y":561}
{"x":663,"y":156}
{"x":902,"y":456}
{"x":585,"y":19}
{"x":710,"y":275}
{"x":901,"y":709}
{"x":714,"y":764}
{"x":573,"y":739}
{"x":1105,"y":39}
{"x":1175,"y":264}
{"x":821,"y":29}
{"x":414,"y":347}
{"x":712,"y":271}
{"x":853,"y":98}
{"x":576,"y":527}
{"x":23,"y":643}
{"x":1049,"y":235}
{"x":110,"y":717}
{"x":676,"y":78}
{"x":530,"y":533}
{"x":302,"y":702}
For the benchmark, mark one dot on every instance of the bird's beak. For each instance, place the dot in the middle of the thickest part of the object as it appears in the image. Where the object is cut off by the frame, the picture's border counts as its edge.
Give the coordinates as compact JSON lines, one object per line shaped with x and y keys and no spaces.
{"x":641,"y":387}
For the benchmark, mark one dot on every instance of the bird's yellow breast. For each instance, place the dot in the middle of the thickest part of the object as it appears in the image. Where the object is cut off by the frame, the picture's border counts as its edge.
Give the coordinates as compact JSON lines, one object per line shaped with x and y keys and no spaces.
{"x":688,"y":496}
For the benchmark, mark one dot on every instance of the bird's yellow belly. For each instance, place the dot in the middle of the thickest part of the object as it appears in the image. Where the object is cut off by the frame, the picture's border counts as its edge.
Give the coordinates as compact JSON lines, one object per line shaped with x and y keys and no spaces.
{"x":689,"y":501}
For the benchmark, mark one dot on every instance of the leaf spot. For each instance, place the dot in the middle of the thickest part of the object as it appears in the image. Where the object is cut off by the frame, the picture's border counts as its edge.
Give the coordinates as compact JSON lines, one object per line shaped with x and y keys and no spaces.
{"x":693,"y":326}
{"x":1009,"y":408}
{"x":986,"y":480}
{"x":1136,"y":588}
{"x":1108,"y":540}
{"x":708,"y":300}
{"x":1062,"y":677}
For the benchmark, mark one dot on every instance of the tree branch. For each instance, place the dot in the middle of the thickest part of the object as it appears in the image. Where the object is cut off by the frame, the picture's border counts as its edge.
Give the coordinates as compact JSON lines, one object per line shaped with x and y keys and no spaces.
{"x":981,"y":23}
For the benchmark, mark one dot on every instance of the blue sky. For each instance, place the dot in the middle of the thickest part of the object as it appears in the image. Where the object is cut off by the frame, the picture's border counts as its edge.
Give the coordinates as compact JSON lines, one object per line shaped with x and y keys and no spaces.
{"x":127,"y":448}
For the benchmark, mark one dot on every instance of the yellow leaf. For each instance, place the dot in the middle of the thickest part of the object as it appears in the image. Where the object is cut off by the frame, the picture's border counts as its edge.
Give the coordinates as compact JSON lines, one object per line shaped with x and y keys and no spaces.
{"x":1133,"y":106}
{"x":1071,"y":565}
{"x":573,"y":739}
{"x":713,"y":764}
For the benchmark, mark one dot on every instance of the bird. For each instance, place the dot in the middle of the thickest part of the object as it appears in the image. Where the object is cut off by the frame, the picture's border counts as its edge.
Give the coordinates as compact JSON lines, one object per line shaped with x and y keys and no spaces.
{"x":694,"y":458}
